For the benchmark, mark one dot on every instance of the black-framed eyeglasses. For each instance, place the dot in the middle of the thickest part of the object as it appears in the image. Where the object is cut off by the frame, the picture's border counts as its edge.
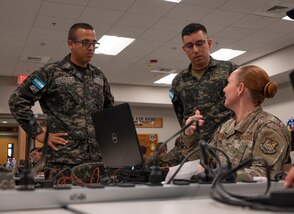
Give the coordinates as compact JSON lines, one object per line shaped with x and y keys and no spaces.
{"x":87,"y":43}
{"x":198,"y":44}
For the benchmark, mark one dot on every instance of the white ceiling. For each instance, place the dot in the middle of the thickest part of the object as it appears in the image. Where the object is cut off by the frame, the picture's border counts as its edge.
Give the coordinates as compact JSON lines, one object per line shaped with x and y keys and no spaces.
{"x":27,"y":29}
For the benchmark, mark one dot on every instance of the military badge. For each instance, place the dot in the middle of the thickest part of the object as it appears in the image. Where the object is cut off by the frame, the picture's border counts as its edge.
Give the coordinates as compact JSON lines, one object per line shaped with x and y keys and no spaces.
{"x":37,"y":85}
{"x":268,"y":146}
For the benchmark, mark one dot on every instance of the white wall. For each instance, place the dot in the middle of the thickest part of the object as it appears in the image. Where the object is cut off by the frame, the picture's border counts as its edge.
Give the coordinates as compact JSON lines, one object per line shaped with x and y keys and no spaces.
{"x":282,"y":104}
{"x":7,"y":85}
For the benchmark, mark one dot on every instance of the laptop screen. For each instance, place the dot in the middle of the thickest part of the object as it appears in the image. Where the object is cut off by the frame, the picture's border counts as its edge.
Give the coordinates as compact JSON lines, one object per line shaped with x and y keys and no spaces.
{"x":117,"y":137}
{"x":292,"y":79}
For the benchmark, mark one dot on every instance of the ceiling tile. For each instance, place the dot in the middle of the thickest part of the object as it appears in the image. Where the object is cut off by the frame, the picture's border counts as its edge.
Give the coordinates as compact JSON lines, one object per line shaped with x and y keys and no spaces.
{"x":233,"y":33}
{"x":72,"y":2}
{"x":60,"y":10}
{"x":137,"y":20}
{"x":48,"y":34}
{"x":255,"y":22}
{"x":53,"y":23}
{"x":170,"y":24}
{"x":125,"y":31}
{"x":152,"y":7}
{"x":112,"y":4}
{"x":245,"y":6}
{"x":100,"y":15}
{"x":27,"y":6}
{"x":157,"y":35}
{"x":188,"y":12}
{"x":11,"y":30}
{"x":223,"y":17}
{"x":17,"y":19}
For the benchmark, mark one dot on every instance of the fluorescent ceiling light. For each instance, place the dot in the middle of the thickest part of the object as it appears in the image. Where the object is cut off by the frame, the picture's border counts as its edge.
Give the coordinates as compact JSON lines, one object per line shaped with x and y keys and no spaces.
{"x":175,"y":1}
{"x":4,"y":121}
{"x":112,"y":45}
{"x":166,"y":80}
{"x":287,"y":18}
{"x":226,"y":54}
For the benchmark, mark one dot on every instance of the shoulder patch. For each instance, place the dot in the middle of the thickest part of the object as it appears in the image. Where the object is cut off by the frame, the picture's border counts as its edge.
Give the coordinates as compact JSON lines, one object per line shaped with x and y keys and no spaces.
{"x":37,"y":85}
{"x":268,"y":146}
{"x":171,"y":94}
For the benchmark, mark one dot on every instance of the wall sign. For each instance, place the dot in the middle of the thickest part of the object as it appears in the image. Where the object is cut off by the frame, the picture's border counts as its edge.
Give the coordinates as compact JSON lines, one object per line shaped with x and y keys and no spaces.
{"x":148,"y":122}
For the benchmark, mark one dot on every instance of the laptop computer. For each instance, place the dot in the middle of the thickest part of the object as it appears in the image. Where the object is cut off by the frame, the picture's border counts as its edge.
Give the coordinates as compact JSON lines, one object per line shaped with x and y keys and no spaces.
{"x":292,"y":79}
{"x":117,"y":137}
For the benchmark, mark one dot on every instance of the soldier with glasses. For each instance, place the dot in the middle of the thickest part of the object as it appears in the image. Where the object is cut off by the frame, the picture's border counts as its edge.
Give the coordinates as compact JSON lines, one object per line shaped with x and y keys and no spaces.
{"x":68,"y":92}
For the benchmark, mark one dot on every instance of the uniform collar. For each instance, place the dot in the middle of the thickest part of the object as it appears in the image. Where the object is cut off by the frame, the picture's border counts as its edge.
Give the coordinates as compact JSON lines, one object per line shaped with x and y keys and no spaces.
{"x":66,"y":64}
{"x":212,"y":63}
{"x":243,"y":125}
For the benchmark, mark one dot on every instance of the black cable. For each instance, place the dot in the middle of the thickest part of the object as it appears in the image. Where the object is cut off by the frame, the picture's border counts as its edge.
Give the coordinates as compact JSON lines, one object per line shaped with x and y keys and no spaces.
{"x":219,"y":193}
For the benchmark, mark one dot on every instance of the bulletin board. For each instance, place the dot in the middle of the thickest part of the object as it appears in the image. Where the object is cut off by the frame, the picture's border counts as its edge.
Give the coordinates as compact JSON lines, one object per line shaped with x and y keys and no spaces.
{"x":149,"y":141}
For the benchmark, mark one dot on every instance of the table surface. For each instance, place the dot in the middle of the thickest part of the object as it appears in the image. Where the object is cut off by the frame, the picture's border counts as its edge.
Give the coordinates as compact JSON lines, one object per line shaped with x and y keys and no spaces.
{"x":55,"y":199}
{"x":169,"y":206}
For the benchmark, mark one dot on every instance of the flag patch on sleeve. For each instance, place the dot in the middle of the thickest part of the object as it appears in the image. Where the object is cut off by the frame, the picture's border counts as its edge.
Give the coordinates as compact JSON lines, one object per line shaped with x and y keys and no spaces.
{"x":37,"y":85}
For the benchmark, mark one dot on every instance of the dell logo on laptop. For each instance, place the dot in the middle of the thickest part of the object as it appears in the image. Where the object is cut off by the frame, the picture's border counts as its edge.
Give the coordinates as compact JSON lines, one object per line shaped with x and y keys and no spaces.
{"x":114,"y":137}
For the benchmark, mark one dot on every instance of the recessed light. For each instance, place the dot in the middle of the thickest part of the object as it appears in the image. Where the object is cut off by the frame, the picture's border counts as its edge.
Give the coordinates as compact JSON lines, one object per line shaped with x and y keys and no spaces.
{"x":175,"y":1}
{"x":112,"y":45}
{"x":287,"y":18}
{"x":166,"y":80}
{"x":226,"y":54}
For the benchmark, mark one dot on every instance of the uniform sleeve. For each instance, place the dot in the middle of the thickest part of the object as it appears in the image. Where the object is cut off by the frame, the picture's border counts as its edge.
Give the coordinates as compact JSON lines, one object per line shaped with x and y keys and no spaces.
{"x":25,"y":96}
{"x":272,"y":144}
{"x":177,"y":103}
{"x":108,"y":97}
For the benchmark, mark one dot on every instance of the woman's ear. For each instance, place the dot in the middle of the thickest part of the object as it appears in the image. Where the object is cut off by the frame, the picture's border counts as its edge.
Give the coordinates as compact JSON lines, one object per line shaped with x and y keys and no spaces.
{"x":241,"y":89}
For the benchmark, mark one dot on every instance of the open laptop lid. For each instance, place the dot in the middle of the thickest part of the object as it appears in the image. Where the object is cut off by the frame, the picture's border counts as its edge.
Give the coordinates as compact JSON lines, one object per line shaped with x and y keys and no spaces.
{"x":292,"y":79}
{"x":117,"y":137}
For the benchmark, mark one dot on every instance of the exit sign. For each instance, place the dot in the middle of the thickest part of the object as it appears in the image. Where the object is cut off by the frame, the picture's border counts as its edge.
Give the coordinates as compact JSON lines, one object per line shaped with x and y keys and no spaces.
{"x":21,"y":78}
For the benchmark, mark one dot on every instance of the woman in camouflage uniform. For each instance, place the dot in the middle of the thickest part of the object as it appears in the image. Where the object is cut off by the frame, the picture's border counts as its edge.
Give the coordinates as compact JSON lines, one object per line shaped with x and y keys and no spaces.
{"x":252,"y":132}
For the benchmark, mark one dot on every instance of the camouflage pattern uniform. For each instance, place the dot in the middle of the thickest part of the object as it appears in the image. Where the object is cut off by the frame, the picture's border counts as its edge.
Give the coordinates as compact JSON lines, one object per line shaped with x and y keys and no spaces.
{"x":189,"y":93}
{"x":38,"y":167}
{"x":67,"y":96}
{"x":260,"y":134}
{"x":172,"y":158}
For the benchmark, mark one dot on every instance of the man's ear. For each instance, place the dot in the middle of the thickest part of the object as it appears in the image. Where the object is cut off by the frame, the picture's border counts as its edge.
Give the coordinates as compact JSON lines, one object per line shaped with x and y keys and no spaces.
{"x":70,"y":44}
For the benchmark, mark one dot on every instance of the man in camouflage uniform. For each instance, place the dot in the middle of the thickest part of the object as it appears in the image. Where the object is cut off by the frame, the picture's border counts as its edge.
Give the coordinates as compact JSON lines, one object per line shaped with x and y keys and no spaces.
{"x":36,"y":160}
{"x":68,"y":91}
{"x":199,"y":87}
{"x":171,"y":158}
{"x":252,"y":132}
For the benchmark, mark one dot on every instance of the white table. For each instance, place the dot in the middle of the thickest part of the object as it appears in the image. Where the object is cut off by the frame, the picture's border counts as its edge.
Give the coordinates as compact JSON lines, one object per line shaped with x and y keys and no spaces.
{"x":51,"y":198}
{"x":171,"y":206}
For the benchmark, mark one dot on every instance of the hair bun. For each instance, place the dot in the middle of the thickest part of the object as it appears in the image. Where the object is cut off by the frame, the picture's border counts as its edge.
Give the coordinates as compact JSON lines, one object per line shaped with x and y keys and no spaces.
{"x":270,"y":89}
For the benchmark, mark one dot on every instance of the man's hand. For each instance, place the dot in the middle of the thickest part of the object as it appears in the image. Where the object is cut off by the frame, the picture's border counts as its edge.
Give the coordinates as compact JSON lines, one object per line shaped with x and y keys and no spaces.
{"x":53,"y":138}
{"x":191,"y":129}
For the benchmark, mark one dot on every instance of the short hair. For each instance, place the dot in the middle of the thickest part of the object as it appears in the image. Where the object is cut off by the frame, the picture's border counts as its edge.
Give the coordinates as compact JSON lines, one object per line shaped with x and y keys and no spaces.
{"x":160,"y":146}
{"x":258,"y":82}
{"x":193,"y":28}
{"x":39,"y":149}
{"x":75,"y":27}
